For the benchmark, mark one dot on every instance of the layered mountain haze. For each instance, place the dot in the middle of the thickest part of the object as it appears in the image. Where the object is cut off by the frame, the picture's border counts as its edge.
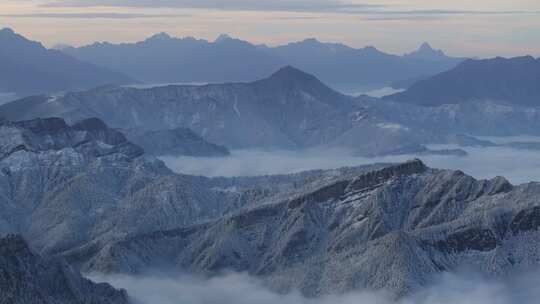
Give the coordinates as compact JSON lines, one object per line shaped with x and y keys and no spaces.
{"x":515,"y":81}
{"x":351,"y":70}
{"x":227,"y":60}
{"x":28,"y":68}
{"x":290,"y":109}
{"x":164,"y":59}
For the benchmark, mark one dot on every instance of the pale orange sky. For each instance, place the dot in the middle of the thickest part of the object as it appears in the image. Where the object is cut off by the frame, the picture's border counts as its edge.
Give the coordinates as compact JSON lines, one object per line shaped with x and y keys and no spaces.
{"x":462,"y":28}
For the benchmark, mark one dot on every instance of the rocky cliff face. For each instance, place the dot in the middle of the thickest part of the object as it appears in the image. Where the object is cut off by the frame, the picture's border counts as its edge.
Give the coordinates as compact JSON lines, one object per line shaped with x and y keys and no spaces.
{"x":27,"y":278}
{"x":90,"y":138}
{"x":391,"y":228}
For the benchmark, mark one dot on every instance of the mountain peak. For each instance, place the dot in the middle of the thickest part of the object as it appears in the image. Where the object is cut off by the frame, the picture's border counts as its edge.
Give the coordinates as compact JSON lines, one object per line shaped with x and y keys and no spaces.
{"x":425,"y":47}
{"x":290,"y":77}
{"x":291,"y":73}
{"x":11,"y":35}
{"x":370,"y":49}
{"x":312,"y":41}
{"x":222,"y":38}
{"x":426,"y":51}
{"x":160,"y":37}
{"x":61,"y":46}
{"x":7,"y":30}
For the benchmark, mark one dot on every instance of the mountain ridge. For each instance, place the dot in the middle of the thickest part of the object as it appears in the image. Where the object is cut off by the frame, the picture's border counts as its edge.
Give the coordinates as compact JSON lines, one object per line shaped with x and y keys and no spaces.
{"x":342,"y":67}
{"x":29,"y":68}
{"x":390,"y":228}
{"x":513,"y":80}
{"x":378,"y":227}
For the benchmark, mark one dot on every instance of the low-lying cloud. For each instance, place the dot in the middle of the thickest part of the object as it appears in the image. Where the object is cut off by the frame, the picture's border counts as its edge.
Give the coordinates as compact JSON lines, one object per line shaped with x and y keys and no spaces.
{"x":447,"y":288}
{"x":518,"y":166}
{"x":92,"y":15}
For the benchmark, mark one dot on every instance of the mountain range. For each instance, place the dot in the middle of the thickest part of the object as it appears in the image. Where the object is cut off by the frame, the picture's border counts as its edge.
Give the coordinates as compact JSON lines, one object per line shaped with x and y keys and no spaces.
{"x":83,"y":194}
{"x":164,"y":59}
{"x":515,"y":81}
{"x":288,"y":110}
{"x":82,"y":191}
{"x":29,"y":68}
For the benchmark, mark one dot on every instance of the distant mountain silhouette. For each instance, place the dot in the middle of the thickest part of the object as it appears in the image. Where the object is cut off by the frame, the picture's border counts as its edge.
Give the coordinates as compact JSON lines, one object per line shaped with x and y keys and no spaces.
{"x":350,"y":69}
{"x":426,"y":52}
{"x":514,"y":80}
{"x":165,"y":59}
{"x":29,"y":68}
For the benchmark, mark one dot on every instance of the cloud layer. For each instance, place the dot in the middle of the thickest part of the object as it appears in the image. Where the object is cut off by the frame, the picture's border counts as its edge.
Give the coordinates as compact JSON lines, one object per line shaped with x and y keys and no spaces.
{"x":447,"y":288}
{"x":92,"y":15}
{"x":311,"y":6}
{"x":519,"y":166}
{"x":231,"y":5}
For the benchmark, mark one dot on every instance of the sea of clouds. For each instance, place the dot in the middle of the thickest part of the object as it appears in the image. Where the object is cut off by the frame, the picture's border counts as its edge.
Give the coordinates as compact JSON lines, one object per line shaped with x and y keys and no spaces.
{"x":517,"y":165}
{"x":447,"y":288}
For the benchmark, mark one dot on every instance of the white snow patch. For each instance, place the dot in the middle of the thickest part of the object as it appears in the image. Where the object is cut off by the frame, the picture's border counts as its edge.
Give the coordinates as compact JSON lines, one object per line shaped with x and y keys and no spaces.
{"x":196,"y":118}
{"x":378,"y":93}
{"x":235,"y":107}
{"x":392,"y":126}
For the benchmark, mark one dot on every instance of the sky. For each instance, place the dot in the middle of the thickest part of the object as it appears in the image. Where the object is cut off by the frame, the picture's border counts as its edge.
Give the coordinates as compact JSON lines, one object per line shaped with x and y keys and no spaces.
{"x":483,"y":28}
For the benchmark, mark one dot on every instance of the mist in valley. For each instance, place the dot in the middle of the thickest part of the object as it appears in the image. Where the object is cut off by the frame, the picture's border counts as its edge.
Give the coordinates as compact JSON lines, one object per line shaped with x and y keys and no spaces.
{"x":447,"y":288}
{"x":517,"y":165}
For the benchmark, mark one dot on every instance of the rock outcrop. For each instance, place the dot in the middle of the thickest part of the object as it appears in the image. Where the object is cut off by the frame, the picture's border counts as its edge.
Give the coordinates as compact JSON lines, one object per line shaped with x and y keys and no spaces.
{"x":27,"y":278}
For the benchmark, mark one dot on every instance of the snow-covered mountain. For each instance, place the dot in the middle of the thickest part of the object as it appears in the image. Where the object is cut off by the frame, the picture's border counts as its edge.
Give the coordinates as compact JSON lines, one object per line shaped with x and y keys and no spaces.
{"x":290,"y":109}
{"x":83,"y":193}
{"x":426,"y":52}
{"x":385,"y":229}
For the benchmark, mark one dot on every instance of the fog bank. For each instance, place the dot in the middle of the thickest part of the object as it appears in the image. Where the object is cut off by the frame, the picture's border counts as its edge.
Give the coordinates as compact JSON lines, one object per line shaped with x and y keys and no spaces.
{"x":518,"y":166}
{"x":448,"y":288}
